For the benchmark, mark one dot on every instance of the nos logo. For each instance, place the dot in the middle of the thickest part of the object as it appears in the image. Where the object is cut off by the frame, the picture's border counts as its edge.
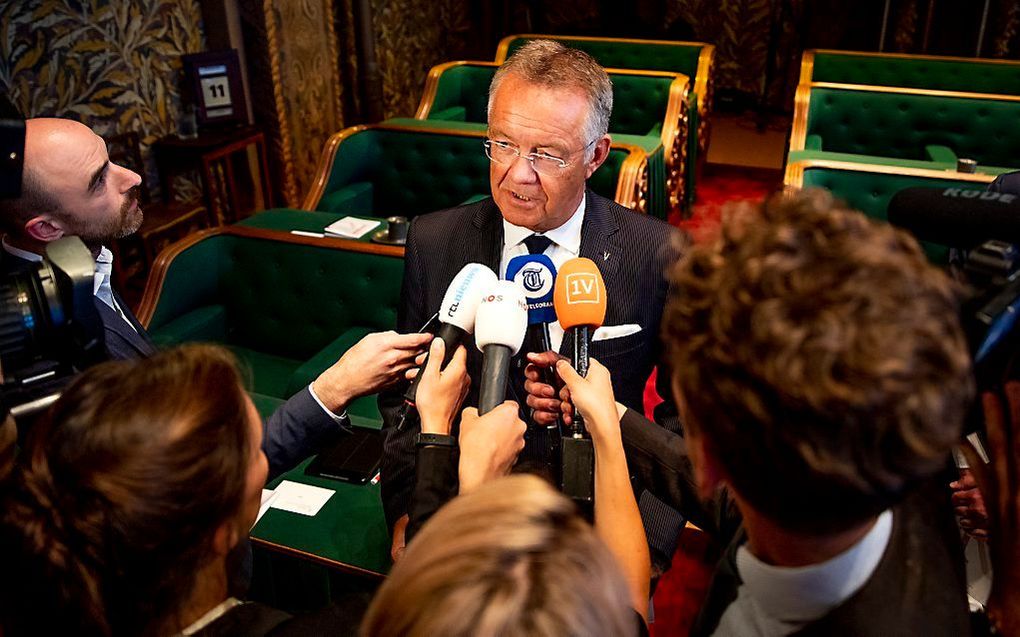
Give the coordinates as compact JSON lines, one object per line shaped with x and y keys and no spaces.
{"x":582,"y":288}
{"x":536,"y":280}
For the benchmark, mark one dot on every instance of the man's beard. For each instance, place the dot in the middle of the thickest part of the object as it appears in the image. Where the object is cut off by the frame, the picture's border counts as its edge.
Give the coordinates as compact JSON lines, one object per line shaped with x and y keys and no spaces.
{"x":95,"y":234}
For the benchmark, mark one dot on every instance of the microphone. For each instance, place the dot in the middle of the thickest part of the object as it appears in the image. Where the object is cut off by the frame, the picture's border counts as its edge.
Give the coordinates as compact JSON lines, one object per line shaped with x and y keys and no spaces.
{"x":499,"y":331}
{"x":957,"y":217}
{"x":580,"y":300}
{"x":456,"y":320}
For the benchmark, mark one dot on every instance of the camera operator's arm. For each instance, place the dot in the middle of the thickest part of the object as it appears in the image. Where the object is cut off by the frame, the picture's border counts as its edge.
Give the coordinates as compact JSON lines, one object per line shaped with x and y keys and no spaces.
{"x":1000,"y":483}
{"x":617,"y":518}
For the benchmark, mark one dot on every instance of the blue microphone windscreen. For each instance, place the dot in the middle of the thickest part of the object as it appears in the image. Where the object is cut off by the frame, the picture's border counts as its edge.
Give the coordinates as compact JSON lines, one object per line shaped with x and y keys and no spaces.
{"x":536,"y":274}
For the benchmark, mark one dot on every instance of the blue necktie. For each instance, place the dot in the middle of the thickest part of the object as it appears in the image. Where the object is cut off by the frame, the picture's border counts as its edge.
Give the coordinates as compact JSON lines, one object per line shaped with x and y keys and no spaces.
{"x":537,"y":244}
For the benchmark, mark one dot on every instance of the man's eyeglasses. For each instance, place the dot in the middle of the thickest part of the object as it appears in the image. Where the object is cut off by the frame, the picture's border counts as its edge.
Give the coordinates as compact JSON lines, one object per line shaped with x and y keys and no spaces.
{"x":544,"y":164}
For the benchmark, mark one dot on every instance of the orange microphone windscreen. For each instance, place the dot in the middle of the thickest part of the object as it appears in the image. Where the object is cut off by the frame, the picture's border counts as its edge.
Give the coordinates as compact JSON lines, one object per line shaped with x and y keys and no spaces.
{"x":580,"y":294}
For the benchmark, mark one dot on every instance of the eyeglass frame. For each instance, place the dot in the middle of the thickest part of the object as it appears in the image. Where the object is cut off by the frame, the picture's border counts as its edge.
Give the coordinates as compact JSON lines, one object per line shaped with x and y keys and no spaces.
{"x":530,"y":157}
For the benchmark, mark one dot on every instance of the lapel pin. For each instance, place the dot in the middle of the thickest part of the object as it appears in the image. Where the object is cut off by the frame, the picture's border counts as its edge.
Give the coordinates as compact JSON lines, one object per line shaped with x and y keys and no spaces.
{"x":605,"y":256}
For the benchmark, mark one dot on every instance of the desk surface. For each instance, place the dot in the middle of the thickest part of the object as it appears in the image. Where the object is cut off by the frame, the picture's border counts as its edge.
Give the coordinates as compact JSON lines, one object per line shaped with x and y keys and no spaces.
{"x":349,"y":533}
{"x":287,"y":219}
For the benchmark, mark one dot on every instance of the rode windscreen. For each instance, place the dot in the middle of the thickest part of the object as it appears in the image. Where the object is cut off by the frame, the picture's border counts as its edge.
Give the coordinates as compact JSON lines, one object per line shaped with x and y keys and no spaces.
{"x":499,"y":331}
{"x":957,"y":217}
{"x":456,"y":318}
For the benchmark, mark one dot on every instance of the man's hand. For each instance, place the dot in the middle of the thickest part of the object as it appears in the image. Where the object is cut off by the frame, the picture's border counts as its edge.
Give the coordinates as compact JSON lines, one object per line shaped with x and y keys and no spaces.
{"x":593,"y":398}
{"x":542,"y":397}
{"x":489,"y":444}
{"x":969,"y":505}
{"x":999,"y":482}
{"x":441,"y":392}
{"x":399,"y":544}
{"x":373,"y":363}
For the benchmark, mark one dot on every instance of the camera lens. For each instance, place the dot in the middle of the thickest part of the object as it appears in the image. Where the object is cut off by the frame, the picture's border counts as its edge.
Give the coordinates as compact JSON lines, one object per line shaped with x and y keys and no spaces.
{"x":29,"y":310}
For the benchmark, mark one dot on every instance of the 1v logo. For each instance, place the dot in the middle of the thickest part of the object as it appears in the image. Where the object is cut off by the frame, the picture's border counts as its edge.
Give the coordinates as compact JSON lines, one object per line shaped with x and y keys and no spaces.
{"x":582,"y":288}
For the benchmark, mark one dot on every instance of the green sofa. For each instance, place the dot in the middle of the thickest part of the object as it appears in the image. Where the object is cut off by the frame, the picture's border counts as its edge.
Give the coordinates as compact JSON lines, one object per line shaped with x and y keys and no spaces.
{"x":287,"y":306}
{"x":693,"y":59}
{"x":906,"y":128}
{"x":650,"y":110}
{"x":411,"y":167}
{"x":968,"y":75}
{"x":869,"y":188}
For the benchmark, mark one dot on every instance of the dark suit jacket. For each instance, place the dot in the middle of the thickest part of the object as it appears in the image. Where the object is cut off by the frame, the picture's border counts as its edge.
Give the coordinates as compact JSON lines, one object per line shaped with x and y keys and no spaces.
{"x":632,"y":251}
{"x":1006,"y":182}
{"x":291,"y":434}
{"x":918,"y":587}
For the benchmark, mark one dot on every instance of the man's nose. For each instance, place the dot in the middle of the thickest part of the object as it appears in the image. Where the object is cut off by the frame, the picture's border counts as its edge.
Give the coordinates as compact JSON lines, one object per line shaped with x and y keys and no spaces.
{"x":129,"y":179}
{"x":522,"y":171}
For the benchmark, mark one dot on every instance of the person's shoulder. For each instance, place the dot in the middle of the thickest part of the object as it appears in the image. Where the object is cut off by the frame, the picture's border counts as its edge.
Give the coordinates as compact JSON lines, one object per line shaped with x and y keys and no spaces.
{"x":644,"y":232}
{"x":450,"y":217}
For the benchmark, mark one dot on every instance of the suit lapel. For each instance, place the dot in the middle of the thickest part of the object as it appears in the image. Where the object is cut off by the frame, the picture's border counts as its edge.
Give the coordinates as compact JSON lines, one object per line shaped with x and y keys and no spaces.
{"x":117,"y":328}
{"x":598,"y":243}
{"x":484,"y":241}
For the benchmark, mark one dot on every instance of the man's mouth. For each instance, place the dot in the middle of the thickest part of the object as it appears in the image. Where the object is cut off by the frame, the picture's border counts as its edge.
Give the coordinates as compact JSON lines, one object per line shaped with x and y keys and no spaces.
{"x":520,"y":197}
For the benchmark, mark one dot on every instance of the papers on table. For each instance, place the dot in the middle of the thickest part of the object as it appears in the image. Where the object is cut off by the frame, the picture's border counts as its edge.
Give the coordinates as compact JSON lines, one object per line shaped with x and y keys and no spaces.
{"x":350,"y":227}
{"x":300,"y":498}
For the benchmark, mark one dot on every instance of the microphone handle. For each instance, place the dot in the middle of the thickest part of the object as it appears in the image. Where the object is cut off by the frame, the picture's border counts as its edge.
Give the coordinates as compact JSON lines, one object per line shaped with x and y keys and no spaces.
{"x":452,"y":336}
{"x":582,"y":341}
{"x":495,"y":368}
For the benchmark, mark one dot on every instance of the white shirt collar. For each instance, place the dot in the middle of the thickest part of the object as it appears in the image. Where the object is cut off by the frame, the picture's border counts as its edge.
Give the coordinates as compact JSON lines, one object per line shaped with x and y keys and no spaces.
{"x":567,"y":236}
{"x":18,"y":252}
{"x":806,"y":593}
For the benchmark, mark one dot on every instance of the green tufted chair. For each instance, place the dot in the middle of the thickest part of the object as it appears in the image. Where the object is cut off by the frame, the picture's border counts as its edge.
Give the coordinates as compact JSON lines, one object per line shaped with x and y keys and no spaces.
{"x":649,"y":111}
{"x":287,"y":306}
{"x":969,"y":75}
{"x":693,"y":59}
{"x":394,"y":169}
{"x":869,"y":188}
{"x":908,"y":128}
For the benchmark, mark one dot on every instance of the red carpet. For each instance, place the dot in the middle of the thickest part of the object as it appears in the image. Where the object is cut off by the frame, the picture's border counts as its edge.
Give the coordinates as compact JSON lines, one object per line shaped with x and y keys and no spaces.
{"x":681,"y":590}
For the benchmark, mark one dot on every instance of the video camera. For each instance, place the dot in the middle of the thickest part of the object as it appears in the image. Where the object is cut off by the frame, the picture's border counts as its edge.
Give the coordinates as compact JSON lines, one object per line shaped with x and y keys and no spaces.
{"x":49,"y":327}
{"x":983,"y":229}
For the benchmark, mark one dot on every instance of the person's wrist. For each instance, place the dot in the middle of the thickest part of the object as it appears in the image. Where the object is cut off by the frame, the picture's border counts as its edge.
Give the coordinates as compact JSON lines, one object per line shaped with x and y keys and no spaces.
{"x":331,"y":395}
{"x":431,"y":424}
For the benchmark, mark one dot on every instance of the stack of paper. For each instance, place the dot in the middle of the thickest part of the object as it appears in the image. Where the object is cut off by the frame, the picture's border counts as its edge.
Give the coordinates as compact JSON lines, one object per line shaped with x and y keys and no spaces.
{"x":350,"y":227}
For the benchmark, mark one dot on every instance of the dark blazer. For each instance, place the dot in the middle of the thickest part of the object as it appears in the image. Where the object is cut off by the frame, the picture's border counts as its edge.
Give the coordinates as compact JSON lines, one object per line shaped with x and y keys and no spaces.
{"x":918,"y":587}
{"x":291,"y":434}
{"x":632,"y":251}
{"x":1007,"y":183}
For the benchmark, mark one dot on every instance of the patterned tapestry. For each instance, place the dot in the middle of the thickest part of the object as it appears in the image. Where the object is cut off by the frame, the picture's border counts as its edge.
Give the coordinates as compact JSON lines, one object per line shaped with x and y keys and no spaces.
{"x":112,"y":64}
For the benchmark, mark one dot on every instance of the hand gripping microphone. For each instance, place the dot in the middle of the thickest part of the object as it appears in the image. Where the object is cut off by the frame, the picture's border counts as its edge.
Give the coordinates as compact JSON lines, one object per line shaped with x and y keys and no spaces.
{"x":456,"y":320}
{"x":580,"y":301}
{"x":499,"y":331}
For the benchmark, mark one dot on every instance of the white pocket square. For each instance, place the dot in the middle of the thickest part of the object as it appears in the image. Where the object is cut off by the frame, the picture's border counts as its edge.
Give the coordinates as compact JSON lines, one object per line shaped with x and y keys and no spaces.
{"x":607,"y":332}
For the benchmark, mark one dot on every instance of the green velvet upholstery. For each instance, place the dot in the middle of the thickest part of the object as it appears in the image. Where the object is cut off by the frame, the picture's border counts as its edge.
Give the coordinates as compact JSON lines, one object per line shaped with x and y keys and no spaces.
{"x":974,"y":75}
{"x":604,"y":181}
{"x":639,"y":110}
{"x":286,"y":309}
{"x":410,"y":167}
{"x":907,"y":125}
{"x":870,"y":191}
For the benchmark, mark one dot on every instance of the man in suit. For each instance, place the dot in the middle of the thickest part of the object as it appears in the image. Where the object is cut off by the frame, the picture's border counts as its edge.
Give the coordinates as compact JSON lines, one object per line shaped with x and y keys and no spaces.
{"x":70,"y":187}
{"x":549,"y":109}
{"x":825,"y":379}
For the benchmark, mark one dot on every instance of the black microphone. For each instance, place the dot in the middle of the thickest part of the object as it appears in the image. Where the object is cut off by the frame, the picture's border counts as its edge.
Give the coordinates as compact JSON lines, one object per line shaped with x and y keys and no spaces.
{"x":957,"y":217}
{"x":499,"y":331}
{"x":457,"y":320}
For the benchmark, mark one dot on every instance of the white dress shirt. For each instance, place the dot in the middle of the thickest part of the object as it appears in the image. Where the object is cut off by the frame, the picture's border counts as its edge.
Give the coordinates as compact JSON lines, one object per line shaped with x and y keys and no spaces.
{"x":566,"y":245}
{"x":774,"y":600}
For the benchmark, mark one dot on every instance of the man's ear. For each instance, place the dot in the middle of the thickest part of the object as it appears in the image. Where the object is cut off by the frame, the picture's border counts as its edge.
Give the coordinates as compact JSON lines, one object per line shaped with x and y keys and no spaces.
{"x":709,"y":474}
{"x":44,"y":228}
{"x":599,"y":156}
{"x":225,"y":538}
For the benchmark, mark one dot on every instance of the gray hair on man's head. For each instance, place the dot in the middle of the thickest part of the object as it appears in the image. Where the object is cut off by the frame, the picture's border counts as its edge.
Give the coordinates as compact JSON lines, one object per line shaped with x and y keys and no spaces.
{"x":550,"y":64}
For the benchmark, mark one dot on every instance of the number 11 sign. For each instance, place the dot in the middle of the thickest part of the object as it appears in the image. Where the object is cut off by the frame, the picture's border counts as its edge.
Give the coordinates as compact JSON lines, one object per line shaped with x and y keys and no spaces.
{"x":215,"y":79}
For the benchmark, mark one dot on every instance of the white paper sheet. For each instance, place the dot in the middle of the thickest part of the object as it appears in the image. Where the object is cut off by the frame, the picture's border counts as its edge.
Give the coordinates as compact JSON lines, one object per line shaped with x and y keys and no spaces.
{"x":300,"y":498}
{"x":351,"y":227}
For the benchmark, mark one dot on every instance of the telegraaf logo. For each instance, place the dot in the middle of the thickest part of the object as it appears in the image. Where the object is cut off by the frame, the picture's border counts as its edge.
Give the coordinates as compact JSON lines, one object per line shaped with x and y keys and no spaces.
{"x":582,"y":287}
{"x":536,"y":279}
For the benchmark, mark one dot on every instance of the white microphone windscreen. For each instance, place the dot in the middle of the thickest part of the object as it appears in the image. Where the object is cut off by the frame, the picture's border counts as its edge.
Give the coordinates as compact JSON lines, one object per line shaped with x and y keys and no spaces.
{"x":502,"y":317}
{"x":460,"y":303}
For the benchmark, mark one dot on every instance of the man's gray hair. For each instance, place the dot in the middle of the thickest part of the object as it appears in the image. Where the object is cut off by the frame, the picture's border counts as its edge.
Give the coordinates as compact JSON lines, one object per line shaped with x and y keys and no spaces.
{"x":550,"y":64}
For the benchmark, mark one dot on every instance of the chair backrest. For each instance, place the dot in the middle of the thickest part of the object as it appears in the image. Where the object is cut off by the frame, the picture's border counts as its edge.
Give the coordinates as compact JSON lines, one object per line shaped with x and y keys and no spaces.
{"x":458,"y":91}
{"x":900,"y":123}
{"x":869,"y":188}
{"x":973,"y":75}
{"x":280,"y":294}
{"x":388,"y":169}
